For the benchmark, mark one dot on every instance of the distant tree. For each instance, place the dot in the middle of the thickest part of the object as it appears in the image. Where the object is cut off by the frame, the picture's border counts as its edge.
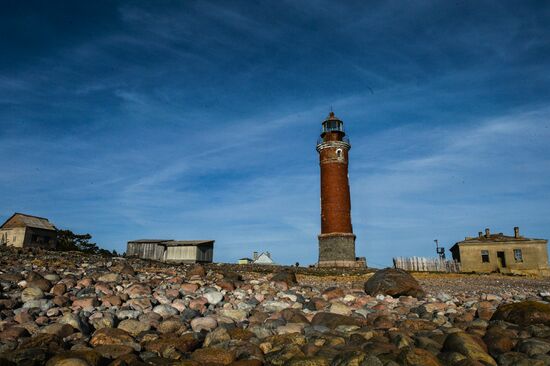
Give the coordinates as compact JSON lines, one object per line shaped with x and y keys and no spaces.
{"x":68,"y":241}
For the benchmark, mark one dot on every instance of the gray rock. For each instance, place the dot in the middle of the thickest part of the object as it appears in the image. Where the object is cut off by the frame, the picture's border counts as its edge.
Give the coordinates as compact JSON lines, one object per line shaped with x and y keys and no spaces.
{"x":213,"y":297}
{"x":165,"y":310}
{"x":533,"y":347}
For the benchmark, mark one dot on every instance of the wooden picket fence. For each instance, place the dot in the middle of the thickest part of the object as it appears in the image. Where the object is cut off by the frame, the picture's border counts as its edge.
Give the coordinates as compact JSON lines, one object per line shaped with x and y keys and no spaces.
{"x":423,"y":264}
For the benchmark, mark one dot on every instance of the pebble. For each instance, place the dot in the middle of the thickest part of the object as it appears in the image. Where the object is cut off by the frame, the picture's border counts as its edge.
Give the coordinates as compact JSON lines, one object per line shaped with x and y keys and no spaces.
{"x":207,"y":323}
{"x":213,"y":297}
{"x":165,"y":310}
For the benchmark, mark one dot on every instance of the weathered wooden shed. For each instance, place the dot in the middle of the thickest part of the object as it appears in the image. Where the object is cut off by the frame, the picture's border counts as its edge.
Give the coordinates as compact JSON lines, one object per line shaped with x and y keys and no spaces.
{"x":146,"y":249}
{"x":173,"y":251}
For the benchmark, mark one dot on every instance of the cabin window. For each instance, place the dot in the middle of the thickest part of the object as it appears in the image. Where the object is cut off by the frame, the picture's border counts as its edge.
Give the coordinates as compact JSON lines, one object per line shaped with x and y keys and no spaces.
{"x":485,"y":256}
{"x":518,"y":256}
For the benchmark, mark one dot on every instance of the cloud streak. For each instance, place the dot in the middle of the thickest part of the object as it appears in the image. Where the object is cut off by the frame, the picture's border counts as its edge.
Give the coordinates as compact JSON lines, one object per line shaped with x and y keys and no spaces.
{"x":199,"y":120}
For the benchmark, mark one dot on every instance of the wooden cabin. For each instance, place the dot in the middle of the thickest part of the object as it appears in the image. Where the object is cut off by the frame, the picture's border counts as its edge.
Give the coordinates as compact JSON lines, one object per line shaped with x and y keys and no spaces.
{"x":27,"y":231}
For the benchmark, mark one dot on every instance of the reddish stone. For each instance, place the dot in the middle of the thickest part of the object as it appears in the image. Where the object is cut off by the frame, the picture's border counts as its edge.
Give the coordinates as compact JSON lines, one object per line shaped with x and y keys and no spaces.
{"x":14,"y":333}
{"x":85,"y":282}
{"x":333,"y":293}
{"x":198,"y":304}
{"x":85,"y":302}
{"x":23,"y":317}
{"x":59,"y":289}
{"x":198,"y":270}
{"x":320,"y":303}
{"x":227,"y":285}
{"x":112,"y":300}
{"x":104,"y":288}
{"x":138,"y":290}
{"x":189,"y":288}
{"x":42,"y":320}
{"x":60,"y":300}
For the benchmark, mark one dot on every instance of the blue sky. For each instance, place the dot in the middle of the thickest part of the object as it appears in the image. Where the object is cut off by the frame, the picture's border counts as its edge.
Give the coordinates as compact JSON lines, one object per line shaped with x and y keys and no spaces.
{"x":191,"y":120}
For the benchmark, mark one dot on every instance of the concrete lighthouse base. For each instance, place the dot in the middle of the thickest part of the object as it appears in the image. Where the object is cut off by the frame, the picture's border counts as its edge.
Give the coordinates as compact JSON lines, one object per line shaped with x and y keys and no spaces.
{"x":338,"y":250}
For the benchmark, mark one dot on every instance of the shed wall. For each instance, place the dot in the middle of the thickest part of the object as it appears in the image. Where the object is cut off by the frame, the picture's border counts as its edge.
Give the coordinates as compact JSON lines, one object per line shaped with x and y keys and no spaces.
{"x":40,"y":238}
{"x":181,"y":254}
{"x":199,"y":253}
{"x":14,"y":237}
{"x":145,"y":251}
{"x":205,"y":252}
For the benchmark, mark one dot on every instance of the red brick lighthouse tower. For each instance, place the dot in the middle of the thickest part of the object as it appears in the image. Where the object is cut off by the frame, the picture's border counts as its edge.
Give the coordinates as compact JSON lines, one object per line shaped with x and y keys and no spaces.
{"x":336,"y":241}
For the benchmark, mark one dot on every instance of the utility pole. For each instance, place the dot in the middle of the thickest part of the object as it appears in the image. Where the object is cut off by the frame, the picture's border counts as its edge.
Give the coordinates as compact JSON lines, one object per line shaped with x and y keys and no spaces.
{"x":439,"y":250}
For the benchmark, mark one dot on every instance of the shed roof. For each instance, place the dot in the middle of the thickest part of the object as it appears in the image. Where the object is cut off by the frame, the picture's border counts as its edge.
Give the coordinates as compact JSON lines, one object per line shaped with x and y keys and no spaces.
{"x":24,"y":220}
{"x":146,"y":241}
{"x":178,"y":243}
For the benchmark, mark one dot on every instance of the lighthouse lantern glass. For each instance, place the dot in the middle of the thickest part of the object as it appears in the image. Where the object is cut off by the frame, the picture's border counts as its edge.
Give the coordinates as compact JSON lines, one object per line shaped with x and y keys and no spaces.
{"x":329,"y":126}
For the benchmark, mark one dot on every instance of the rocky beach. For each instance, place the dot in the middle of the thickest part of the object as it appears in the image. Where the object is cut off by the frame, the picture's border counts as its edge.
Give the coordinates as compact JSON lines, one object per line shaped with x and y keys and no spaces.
{"x":73,"y":309}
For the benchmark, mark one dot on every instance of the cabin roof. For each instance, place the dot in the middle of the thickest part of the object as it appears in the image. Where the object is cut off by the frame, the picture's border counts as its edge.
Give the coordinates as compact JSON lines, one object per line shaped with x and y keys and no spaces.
{"x":171,"y":242}
{"x":499,"y":238}
{"x":181,"y":243}
{"x":24,"y":220}
{"x":146,"y":241}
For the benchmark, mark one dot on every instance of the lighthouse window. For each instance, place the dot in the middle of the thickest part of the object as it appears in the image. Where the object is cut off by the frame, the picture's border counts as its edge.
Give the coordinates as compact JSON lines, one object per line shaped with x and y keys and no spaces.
{"x":339,"y":153}
{"x":332,"y":126}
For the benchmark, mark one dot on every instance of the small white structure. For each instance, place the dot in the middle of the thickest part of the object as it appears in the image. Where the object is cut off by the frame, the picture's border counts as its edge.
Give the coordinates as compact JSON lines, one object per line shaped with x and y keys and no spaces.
{"x":175,"y":251}
{"x":263,"y":258}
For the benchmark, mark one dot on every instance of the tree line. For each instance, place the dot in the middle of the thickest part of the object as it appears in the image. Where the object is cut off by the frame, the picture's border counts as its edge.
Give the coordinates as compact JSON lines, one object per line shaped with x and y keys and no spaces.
{"x":69,"y":241}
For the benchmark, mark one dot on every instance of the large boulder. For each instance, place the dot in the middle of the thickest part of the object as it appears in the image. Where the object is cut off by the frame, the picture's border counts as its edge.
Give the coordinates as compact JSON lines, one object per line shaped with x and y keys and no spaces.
{"x":418,"y":357}
{"x":113,"y":336}
{"x":285,"y":276}
{"x":393,"y":282}
{"x":524,"y":313}
{"x":468,"y":346}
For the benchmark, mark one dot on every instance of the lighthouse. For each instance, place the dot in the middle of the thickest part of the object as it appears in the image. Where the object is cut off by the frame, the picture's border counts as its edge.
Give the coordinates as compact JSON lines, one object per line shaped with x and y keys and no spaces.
{"x":336,"y":241}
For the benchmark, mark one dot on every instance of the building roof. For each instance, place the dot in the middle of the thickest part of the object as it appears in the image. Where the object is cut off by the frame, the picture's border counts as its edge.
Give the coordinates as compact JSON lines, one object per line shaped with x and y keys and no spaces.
{"x":144,"y":241}
{"x":24,"y":220}
{"x":498,"y":238}
{"x":246,"y":259}
{"x":265,"y":257}
{"x":182,"y":243}
{"x":171,"y":242}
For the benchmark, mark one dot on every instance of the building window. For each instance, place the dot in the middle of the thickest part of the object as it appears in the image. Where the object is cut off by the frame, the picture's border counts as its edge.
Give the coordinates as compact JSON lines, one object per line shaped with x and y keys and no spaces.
{"x":518,"y":256}
{"x":339,"y":153}
{"x":485,"y":256}
{"x":14,"y":238}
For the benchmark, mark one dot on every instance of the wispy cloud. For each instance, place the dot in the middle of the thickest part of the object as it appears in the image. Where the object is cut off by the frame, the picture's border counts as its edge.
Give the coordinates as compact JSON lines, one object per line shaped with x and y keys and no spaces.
{"x":199,"y":120}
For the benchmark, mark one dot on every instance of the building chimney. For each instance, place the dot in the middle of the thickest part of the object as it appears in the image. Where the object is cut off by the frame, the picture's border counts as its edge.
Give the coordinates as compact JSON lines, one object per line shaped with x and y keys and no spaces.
{"x":255,"y":255}
{"x":516,"y":232}
{"x":487,"y":233}
{"x":480,"y":234}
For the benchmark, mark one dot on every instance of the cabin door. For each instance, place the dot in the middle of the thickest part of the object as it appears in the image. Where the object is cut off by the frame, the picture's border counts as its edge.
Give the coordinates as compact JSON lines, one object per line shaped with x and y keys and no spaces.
{"x":501,"y":260}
